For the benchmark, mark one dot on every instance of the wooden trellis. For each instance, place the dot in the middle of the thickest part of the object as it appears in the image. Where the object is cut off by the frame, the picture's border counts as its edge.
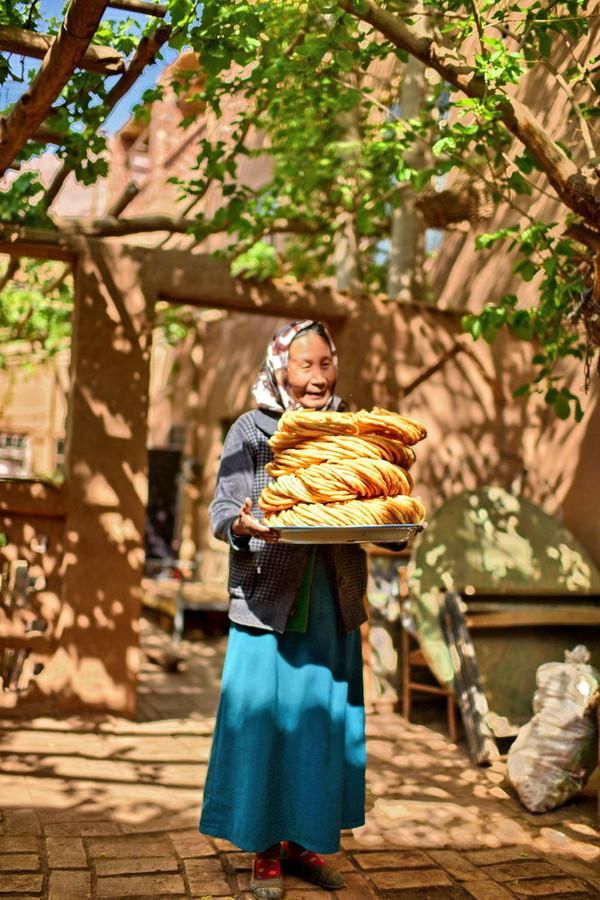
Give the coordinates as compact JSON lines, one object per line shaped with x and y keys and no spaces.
{"x":31,"y":118}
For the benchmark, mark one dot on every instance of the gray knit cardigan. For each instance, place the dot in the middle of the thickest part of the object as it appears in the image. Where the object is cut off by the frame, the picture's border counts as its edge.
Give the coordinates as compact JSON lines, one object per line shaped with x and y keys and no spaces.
{"x":264,"y":578}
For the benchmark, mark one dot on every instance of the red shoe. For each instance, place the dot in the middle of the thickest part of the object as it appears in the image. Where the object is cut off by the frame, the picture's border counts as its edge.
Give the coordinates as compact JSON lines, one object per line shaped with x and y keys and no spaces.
{"x":310,"y":867}
{"x":266,"y":882}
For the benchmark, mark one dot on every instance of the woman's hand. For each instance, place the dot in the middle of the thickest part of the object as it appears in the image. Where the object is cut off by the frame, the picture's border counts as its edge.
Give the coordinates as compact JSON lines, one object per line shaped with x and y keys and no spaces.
{"x":246,"y":524}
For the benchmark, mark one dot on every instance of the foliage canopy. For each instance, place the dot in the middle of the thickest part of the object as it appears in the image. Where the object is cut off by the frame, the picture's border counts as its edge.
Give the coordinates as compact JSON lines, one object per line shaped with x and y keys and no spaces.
{"x":323,"y":82}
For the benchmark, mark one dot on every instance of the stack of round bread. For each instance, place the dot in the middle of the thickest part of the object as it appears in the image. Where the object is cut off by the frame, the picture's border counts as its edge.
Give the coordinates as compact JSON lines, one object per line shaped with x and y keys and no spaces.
{"x":342,"y":468}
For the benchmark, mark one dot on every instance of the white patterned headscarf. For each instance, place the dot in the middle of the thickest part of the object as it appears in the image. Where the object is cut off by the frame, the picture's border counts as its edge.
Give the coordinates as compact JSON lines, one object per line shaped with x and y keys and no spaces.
{"x":269,"y":389}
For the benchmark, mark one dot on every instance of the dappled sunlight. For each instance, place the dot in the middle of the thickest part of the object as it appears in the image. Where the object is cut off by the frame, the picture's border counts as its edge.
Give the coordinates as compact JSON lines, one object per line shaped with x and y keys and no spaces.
{"x":132,"y":790}
{"x":424,"y":793}
{"x":518,"y":569}
{"x":409,"y":359}
{"x":114,"y":424}
{"x":92,"y":526}
{"x":84,"y":769}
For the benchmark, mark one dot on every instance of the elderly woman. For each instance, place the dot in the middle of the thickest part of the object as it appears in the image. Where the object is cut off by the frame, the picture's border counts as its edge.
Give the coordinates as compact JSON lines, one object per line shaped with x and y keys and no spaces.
{"x":287,"y":767}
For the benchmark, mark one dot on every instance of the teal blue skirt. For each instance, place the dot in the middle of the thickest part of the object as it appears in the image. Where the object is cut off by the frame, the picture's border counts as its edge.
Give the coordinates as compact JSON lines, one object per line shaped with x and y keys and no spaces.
{"x":288,"y":754}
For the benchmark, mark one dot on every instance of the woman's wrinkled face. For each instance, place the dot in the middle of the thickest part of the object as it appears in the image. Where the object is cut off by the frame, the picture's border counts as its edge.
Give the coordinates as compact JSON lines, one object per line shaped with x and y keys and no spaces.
{"x":311,"y":371}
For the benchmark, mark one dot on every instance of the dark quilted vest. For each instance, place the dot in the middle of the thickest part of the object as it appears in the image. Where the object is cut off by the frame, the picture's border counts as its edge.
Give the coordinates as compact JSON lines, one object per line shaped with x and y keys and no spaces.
{"x":264,"y":578}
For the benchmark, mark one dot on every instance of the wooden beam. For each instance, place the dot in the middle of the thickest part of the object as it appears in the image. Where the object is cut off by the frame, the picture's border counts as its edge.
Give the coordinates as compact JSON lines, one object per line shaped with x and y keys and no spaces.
{"x":540,"y":616}
{"x":110,"y":226}
{"x":37,"y":243}
{"x":46,"y":134}
{"x":202,"y":280}
{"x":57,"y":67}
{"x":33,"y":498}
{"x":129,"y":193}
{"x":97,"y":58}
{"x":146,"y":51}
{"x":140,"y":6}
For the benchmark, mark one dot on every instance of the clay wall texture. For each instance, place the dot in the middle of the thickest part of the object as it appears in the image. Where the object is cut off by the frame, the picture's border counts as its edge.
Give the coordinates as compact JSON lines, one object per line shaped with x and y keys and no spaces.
{"x":408,"y":357}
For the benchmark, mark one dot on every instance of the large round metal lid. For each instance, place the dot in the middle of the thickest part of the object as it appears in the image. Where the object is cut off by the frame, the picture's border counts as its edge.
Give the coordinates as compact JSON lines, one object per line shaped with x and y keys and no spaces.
{"x":489,"y":541}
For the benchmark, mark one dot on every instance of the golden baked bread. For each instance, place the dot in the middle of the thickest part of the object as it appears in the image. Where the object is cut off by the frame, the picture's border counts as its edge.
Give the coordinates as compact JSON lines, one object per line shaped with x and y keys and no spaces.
{"x":296,"y":426}
{"x":335,"y":447}
{"x":342,"y":468}
{"x":390,"y":424}
{"x":376,"y":511}
{"x":335,"y":482}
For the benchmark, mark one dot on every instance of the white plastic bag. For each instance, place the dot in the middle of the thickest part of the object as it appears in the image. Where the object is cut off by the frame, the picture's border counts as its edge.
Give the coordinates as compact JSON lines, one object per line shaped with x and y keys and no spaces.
{"x":555,"y":751}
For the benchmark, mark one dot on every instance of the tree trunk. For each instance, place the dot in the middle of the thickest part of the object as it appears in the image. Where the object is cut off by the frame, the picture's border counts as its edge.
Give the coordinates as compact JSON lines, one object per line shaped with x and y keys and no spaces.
{"x":407,"y":229}
{"x":575,"y":188}
{"x":346,"y":252}
{"x":347,"y":269}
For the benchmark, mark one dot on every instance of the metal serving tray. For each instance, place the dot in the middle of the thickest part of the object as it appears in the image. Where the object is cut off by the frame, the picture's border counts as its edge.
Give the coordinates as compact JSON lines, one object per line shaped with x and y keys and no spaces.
{"x":352,"y":534}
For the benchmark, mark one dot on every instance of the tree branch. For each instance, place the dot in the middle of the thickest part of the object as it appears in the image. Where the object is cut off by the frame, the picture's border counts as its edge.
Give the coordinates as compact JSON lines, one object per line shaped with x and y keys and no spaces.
{"x":64,"y":55}
{"x":11,"y":270}
{"x":140,"y":6}
{"x":120,"y":203}
{"x":584,"y":235}
{"x":574,"y":189}
{"x":56,"y":282}
{"x":97,"y":57}
{"x":110,"y":226}
{"x":144,"y":55}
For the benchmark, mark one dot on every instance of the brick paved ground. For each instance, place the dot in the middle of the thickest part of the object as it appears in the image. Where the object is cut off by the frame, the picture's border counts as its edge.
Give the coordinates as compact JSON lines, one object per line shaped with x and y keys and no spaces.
{"x":109,"y":810}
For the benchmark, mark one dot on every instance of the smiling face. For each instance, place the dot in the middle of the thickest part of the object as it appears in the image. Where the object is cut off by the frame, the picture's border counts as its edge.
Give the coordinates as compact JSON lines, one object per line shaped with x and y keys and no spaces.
{"x":311,"y":371}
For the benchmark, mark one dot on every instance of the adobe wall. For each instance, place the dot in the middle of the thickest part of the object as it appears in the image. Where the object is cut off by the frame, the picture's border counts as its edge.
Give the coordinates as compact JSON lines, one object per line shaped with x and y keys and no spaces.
{"x":32,"y":518}
{"x":478,"y":433}
{"x":33,"y":402}
{"x":403,"y":357}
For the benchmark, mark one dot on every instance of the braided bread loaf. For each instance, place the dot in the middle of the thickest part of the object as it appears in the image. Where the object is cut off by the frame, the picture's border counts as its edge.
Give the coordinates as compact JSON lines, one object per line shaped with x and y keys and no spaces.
{"x":300,"y":425}
{"x":333,"y":448}
{"x":375,"y":511}
{"x":342,"y":469}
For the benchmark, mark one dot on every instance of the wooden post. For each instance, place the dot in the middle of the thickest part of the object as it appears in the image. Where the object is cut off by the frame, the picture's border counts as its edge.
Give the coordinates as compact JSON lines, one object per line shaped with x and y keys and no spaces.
{"x":96,"y":664}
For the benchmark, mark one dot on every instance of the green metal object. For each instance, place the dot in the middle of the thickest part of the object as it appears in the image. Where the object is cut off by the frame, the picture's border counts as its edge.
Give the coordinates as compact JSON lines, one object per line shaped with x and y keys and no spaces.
{"x":490,"y":545}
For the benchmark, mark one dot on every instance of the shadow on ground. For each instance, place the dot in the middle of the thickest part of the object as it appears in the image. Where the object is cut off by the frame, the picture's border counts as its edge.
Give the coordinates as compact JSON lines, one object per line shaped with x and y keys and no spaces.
{"x":108,"y":808}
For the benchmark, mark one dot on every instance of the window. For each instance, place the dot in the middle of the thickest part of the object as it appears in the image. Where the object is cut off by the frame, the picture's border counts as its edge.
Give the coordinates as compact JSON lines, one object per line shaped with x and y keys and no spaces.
{"x":15,"y":454}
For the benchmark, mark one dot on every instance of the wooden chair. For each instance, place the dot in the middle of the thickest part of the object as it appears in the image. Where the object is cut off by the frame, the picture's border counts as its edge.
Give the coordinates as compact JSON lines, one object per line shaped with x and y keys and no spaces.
{"x":413,"y":659}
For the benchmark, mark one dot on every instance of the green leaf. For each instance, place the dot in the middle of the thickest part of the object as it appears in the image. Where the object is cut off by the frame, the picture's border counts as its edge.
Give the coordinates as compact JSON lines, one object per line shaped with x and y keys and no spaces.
{"x":518,"y":184}
{"x":545,"y":43}
{"x":521,"y":324}
{"x":259,"y":262}
{"x":483,"y":241}
{"x":444,"y":145}
{"x":526,"y":269}
{"x":562,"y":406}
{"x":475,"y":329}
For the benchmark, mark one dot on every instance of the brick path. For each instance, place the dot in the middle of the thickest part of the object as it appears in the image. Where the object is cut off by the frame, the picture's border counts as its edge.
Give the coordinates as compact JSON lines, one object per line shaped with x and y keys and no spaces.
{"x":109,"y":810}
